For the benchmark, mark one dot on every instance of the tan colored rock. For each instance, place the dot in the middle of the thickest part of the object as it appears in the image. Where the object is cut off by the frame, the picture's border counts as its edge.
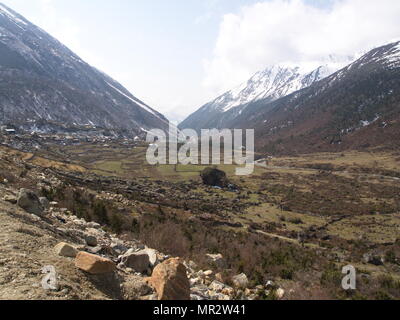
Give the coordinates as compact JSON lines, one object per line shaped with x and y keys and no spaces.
{"x":65,"y":250}
{"x":280,"y":293}
{"x":135,"y":287}
{"x":93,"y":264}
{"x":10,"y":199}
{"x":219,"y":277}
{"x":240,"y":281}
{"x":170,"y":280}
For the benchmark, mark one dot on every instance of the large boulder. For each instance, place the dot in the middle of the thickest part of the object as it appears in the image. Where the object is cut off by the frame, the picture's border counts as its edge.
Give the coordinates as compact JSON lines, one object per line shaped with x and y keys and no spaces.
{"x":214,"y":177}
{"x":138,"y":261}
{"x":170,"y":280}
{"x":29,"y":201}
{"x":93,"y":264}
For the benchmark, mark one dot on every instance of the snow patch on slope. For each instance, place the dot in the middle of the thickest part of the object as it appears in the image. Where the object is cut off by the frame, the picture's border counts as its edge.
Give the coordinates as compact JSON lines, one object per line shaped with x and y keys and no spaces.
{"x":148,"y":109}
{"x":5,"y":11}
{"x":133,"y":100}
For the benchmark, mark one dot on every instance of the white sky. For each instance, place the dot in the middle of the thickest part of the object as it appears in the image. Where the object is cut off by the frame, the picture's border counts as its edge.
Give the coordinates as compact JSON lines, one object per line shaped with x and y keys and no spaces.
{"x":177,"y":55}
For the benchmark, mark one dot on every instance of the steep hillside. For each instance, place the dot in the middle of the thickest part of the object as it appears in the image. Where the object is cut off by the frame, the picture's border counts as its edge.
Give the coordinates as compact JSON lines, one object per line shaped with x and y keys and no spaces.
{"x":44,"y":86}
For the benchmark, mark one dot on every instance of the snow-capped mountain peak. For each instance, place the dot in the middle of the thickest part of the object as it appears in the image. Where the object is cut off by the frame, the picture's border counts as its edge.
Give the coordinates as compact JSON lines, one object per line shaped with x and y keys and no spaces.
{"x":278,"y":81}
{"x":270,"y":84}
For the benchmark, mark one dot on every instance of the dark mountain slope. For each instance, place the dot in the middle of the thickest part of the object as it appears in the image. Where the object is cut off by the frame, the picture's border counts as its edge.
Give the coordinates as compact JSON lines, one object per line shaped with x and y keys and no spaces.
{"x":45,"y":86}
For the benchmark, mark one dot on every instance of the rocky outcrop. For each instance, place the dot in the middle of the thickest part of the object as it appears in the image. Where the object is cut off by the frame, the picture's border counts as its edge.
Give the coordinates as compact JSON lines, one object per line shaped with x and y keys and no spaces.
{"x":170,"y":280}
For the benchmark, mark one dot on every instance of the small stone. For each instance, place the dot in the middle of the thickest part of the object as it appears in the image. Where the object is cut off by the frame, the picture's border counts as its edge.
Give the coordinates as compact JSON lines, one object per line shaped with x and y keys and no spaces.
{"x":119,"y":248}
{"x":65,"y":250}
{"x":216,"y":260}
{"x":135,"y":287}
{"x":270,"y":285}
{"x":93,"y":264}
{"x":44,"y":202}
{"x":280,"y":293}
{"x":91,"y":240}
{"x":208,"y":273}
{"x":93,"y":225}
{"x":30,"y":202}
{"x":240,"y":281}
{"x":10,"y":199}
{"x":219,"y":277}
{"x":217,"y":286}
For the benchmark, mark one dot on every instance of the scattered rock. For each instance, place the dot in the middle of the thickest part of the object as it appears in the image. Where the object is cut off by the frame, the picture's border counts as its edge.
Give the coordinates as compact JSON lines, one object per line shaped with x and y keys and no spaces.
{"x":240,"y":281}
{"x":270,"y":285}
{"x":93,"y":264}
{"x":65,"y":250}
{"x":208,"y":273}
{"x":219,"y":277}
{"x":152,"y":256}
{"x":217,"y":286}
{"x":93,"y":225}
{"x":119,"y":248}
{"x":10,"y":199}
{"x":44,"y":202}
{"x":91,"y":240}
{"x":170,"y":280}
{"x":135,"y":287}
{"x":373,"y":259}
{"x":216,"y":260}
{"x":30,"y":202}
{"x":280,"y":293}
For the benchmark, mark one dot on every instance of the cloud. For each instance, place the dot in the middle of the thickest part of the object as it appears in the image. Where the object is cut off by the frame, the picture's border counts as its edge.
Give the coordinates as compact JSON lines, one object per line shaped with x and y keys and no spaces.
{"x":294,"y":31}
